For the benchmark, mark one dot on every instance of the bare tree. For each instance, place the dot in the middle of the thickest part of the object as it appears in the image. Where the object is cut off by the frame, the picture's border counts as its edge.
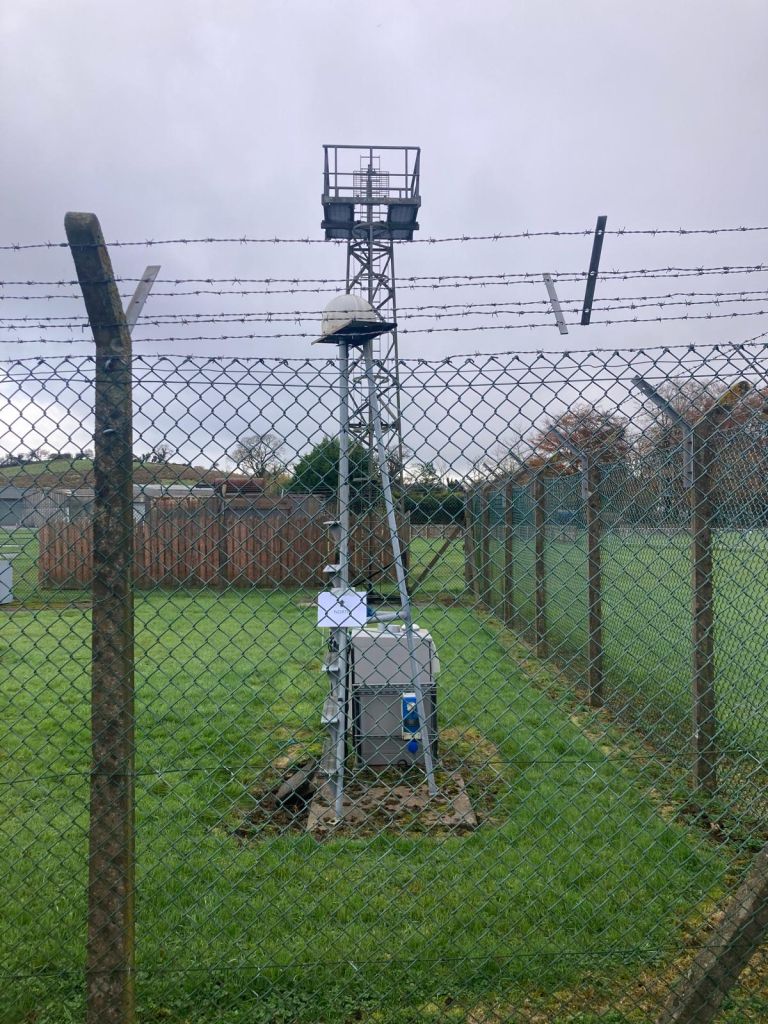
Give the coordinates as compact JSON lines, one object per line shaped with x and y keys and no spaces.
{"x":160,"y":454}
{"x":602,"y":435}
{"x":427,"y":474}
{"x":739,"y":445}
{"x":36,"y":455}
{"x":505,"y":459}
{"x":259,"y":455}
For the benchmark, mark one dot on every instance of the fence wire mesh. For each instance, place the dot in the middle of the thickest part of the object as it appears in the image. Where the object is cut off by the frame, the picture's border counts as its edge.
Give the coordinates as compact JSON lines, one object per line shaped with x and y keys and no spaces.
{"x":588,"y":569}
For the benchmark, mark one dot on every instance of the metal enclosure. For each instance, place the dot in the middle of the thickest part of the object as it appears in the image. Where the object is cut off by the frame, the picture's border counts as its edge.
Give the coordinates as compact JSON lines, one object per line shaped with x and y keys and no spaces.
{"x":381,"y":683}
{"x":6,"y":581}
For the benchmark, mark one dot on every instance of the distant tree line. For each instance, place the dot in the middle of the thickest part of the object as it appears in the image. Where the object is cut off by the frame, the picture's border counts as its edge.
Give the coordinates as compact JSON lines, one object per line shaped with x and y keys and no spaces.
{"x":642,"y":462}
{"x":426,"y":497}
{"x":644,"y":470}
{"x":24,"y":458}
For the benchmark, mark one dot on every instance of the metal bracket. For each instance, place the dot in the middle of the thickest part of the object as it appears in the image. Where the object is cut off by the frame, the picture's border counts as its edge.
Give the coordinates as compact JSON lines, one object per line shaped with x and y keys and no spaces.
{"x":580,"y":454}
{"x":143,"y":288}
{"x":680,"y":421}
{"x":594,"y":265}
{"x":555,"y":303}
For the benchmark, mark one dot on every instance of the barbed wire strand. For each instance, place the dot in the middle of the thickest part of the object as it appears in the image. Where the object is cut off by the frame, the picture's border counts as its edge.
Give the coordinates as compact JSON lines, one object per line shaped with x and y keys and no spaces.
{"x":450,"y":361}
{"x":301,"y":316}
{"x":533,"y":275}
{"x":496,"y":236}
{"x":404,"y":330}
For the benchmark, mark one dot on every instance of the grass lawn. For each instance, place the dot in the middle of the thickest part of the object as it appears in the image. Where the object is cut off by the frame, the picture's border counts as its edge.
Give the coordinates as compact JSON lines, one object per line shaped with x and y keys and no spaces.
{"x":647,"y":627}
{"x":57,"y":469}
{"x":446,"y":575}
{"x":573,"y":870}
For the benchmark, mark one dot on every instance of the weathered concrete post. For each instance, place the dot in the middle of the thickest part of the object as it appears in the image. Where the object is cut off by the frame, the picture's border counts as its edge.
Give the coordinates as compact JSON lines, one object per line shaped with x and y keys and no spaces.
{"x":508,"y":579}
{"x":697,"y":473}
{"x":470,"y":555}
{"x":540,"y":570}
{"x":110,"y":956}
{"x":726,"y":952}
{"x":592,"y":477}
{"x":485,"y":549}
{"x":703,"y":630}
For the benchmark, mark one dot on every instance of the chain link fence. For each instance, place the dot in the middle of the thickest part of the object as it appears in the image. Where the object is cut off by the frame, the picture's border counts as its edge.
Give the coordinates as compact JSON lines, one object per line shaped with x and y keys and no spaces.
{"x":588,"y":568}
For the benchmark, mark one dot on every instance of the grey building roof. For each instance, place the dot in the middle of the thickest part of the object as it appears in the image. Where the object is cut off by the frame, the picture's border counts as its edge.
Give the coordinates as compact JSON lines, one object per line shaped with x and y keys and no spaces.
{"x":10,"y":492}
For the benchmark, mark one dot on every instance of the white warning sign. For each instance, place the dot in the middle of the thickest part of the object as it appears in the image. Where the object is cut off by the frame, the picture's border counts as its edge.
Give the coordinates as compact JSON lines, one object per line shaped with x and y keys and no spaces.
{"x":336,"y":608}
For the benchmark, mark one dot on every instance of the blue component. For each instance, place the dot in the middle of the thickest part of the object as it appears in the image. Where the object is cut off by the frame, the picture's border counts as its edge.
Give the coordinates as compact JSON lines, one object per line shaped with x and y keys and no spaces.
{"x":410,"y":716}
{"x":369,"y":611}
{"x":412,"y":747}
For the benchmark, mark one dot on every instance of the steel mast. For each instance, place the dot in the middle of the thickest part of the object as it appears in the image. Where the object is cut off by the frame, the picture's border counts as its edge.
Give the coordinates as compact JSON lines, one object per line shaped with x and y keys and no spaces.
{"x":371,"y":199}
{"x":352,"y":328}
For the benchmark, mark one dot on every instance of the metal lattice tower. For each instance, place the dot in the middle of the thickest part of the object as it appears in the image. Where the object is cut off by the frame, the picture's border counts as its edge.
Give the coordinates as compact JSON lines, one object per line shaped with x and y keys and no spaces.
{"x":371,"y":199}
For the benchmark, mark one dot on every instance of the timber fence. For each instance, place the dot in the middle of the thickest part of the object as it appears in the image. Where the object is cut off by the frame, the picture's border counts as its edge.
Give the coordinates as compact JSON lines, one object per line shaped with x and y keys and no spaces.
{"x":249,"y":542}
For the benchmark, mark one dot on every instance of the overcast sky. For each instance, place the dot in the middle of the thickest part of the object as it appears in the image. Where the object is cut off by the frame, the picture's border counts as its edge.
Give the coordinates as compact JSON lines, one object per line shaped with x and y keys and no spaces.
{"x":183,"y":119}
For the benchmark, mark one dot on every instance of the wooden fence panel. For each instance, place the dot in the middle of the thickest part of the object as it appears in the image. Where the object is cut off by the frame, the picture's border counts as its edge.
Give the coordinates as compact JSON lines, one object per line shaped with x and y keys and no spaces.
{"x":66,"y":555}
{"x":266,"y":545}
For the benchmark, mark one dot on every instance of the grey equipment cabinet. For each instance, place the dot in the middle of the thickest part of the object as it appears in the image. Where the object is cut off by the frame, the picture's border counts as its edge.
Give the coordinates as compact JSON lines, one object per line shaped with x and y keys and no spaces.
{"x":385,"y":726}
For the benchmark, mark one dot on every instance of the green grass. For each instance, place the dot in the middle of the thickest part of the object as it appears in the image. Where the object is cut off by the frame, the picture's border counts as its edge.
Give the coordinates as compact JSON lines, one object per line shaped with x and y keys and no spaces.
{"x":573,"y":867}
{"x":59,"y":468}
{"x":447,"y":575}
{"x":79,"y":473}
{"x":647,"y":627}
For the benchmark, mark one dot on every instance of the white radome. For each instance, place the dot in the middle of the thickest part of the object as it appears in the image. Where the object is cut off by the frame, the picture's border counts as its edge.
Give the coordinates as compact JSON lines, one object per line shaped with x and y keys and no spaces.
{"x":343,"y":310}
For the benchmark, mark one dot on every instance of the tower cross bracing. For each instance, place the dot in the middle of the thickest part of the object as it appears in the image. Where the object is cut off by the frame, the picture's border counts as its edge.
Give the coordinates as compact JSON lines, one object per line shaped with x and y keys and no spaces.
{"x":371,"y":198}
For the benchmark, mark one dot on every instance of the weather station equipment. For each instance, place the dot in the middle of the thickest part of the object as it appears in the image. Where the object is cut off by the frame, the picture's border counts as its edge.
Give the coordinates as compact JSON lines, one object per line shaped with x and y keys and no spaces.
{"x":371,"y":199}
{"x":381,"y":708}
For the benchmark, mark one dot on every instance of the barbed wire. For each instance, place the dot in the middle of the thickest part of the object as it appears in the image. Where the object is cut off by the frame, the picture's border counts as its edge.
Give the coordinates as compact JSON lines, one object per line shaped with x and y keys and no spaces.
{"x":444,"y":277}
{"x":431,"y":240}
{"x":404,"y":330}
{"x":524,"y":278}
{"x":302,"y":316}
{"x":655,"y":352}
{"x":715,"y":296}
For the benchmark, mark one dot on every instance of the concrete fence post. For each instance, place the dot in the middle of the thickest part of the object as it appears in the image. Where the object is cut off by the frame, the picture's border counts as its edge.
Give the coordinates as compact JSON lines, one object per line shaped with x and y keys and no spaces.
{"x":540,"y":572}
{"x":702,"y":599}
{"x":111,"y":862}
{"x":485,"y":547}
{"x":595,"y":670}
{"x":508,"y":579}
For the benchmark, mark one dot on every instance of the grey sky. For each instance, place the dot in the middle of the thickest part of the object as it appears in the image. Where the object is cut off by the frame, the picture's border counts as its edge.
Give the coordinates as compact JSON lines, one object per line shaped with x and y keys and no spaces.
{"x":186,"y":118}
{"x":194,"y":118}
